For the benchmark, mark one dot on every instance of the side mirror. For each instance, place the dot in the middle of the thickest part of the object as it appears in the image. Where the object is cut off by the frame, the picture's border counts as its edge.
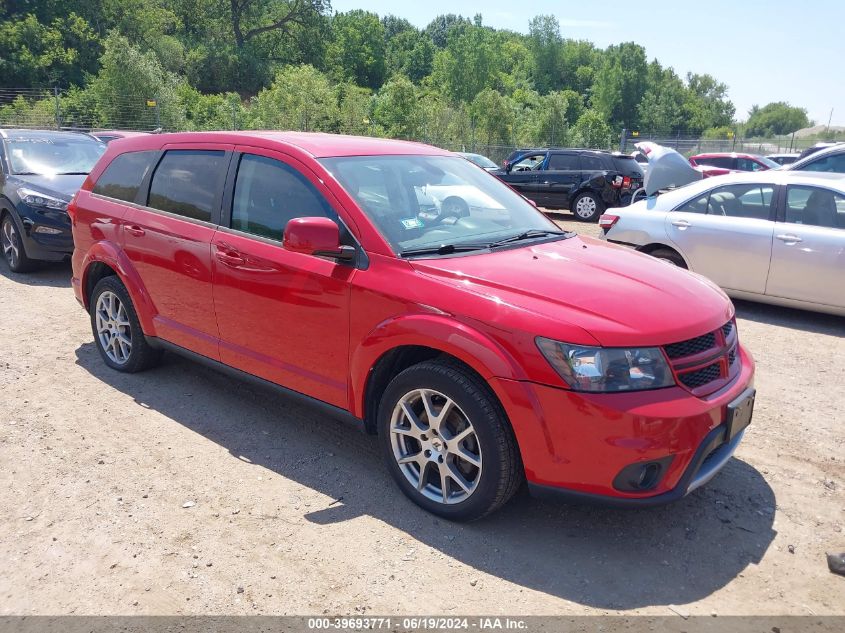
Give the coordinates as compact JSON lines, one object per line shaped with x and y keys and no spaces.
{"x":316,"y":236}
{"x":532,"y":202}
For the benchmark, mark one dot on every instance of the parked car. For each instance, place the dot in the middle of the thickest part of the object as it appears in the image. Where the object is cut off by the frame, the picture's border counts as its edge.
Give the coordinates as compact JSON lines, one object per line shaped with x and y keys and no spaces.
{"x":39,"y":173}
{"x":107,"y":136}
{"x":717,"y":164}
{"x":480,"y":160}
{"x":783,"y":159}
{"x":585,"y":181}
{"x":481,"y":351}
{"x":830,"y":159}
{"x":774,"y":236}
{"x":818,"y":147}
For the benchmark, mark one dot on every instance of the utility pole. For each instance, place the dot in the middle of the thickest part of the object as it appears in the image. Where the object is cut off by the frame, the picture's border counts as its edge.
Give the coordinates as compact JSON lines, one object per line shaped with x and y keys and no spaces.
{"x":829,"y":119}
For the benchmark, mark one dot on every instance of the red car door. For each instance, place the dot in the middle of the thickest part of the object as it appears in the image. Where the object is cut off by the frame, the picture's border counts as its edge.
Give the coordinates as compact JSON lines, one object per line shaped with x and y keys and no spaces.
{"x":168,"y":242}
{"x":282,"y":316}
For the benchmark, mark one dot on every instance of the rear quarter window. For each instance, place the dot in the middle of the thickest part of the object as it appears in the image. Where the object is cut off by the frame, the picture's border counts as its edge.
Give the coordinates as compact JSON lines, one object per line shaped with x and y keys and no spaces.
{"x":124,"y":175}
{"x":592,"y":163}
{"x":627,"y":166}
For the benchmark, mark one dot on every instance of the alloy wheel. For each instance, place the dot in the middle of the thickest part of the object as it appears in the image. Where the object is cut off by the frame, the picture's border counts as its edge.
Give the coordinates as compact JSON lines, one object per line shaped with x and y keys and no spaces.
{"x":113,"y":328}
{"x":435,"y":445}
{"x":9,"y":241}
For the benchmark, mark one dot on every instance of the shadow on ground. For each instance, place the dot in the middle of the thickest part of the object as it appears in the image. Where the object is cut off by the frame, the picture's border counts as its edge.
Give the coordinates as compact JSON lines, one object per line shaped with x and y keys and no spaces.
{"x":603,"y":558}
{"x":789,"y":317}
{"x":53,"y":275}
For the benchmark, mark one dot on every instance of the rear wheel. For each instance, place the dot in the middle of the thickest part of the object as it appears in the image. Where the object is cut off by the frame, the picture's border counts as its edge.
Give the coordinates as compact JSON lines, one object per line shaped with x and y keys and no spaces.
{"x":668,"y":255}
{"x":587,"y":207}
{"x":12,"y":245}
{"x":447,"y":441}
{"x":117,"y":331}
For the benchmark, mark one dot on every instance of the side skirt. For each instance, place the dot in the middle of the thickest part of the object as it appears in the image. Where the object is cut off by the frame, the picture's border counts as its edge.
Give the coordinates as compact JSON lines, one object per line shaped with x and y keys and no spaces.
{"x":324,"y":407}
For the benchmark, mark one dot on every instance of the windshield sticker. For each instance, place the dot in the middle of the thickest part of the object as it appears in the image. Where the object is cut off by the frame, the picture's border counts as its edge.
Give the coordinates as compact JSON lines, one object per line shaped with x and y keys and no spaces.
{"x":412,"y":223}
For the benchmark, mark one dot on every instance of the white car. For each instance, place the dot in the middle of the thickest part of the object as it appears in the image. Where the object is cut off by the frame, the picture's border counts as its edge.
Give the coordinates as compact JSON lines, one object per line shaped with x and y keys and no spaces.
{"x":772,"y":236}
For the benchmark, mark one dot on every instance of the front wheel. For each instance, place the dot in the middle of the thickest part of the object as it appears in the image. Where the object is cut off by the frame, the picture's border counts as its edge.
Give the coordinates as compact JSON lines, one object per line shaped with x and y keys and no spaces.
{"x":447,"y":441}
{"x":587,"y":207}
{"x":12,"y":244}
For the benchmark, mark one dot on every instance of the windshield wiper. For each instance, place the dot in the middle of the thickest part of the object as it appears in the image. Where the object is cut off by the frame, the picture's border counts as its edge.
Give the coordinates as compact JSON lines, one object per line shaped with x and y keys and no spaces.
{"x":72,"y":173}
{"x":528,"y":235}
{"x":442,"y":249}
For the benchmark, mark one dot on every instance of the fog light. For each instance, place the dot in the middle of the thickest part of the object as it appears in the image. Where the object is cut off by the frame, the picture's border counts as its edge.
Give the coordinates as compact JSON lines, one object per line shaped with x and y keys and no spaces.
{"x":642,"y":475}
{"x":47,"y":230}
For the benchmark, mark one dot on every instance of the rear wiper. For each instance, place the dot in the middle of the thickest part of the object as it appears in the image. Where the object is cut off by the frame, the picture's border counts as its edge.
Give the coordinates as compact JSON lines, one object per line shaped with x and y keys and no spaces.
{"x":528,"y":235}
{"x":442,"y":249}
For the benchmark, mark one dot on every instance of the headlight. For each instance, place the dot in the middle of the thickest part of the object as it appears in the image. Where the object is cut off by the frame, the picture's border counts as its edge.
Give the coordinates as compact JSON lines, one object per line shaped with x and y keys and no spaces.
{"x":38,"y":199}
{"x":607,"y":369}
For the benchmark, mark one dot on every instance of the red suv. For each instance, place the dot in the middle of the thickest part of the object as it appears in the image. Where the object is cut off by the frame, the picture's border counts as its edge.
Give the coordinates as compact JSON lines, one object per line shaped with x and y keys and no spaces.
{"x":401,"y":286}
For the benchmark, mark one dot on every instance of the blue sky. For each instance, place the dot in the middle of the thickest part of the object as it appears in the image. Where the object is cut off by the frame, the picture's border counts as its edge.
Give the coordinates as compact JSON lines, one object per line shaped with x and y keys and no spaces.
{"x":764,"y":51}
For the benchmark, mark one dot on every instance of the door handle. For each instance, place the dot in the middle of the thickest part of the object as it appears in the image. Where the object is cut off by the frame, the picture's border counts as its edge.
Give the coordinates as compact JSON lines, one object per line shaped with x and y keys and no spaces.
{"x":787,"y":237}
{"x":230,"y":259}
{"x":135,"y":230}
{"x":682,"y":224}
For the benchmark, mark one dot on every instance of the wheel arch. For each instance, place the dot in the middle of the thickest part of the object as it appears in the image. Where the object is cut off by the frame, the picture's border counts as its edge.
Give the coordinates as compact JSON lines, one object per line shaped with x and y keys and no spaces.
{"x":651,"y":247}
{"x":105,"y":259}
{"x":400,"y":343}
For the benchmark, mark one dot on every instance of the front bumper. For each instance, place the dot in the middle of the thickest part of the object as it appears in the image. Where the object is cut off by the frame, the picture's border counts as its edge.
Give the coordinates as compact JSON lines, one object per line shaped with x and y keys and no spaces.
{"x":51,"y":247}
{"x":574,"y":445}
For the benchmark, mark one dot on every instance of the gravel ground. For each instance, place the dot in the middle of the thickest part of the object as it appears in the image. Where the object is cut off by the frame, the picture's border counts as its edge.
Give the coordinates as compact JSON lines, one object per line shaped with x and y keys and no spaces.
{"x":179,"y":491}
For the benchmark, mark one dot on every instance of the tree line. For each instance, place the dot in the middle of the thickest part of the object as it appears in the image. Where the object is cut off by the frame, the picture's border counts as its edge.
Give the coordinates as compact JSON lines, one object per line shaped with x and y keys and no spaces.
{"x":293,"y":64}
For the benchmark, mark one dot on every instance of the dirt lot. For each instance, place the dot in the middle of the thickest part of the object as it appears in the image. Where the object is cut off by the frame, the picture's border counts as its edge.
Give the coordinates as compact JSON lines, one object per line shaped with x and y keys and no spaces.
{"x":294,"y":513}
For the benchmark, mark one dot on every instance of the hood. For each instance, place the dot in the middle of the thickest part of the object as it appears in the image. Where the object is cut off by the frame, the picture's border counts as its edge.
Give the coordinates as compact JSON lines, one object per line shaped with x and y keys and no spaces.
{"x":667,"y":169}
{"x":584,"y":291}
{"x":62,"y":187}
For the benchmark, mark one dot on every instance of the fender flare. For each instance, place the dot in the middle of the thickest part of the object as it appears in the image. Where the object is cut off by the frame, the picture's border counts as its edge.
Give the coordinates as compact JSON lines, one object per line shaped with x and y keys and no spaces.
{"x":439,"y":332}
{"x":111,"y":255}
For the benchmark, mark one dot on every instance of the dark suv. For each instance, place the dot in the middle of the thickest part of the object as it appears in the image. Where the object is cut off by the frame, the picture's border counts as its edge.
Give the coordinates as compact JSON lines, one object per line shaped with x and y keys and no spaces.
{"x":583,"y":180}
{"x":39,"y":173}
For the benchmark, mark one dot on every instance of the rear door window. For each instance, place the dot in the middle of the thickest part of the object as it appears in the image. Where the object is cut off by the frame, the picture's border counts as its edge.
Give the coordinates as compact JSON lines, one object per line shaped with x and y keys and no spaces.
{"x":269,"y":194}
{"x":592,"y":163}
{"x":124,"y":175}
{"x":187,"y":183}
{"x":815,"y":207}
{"x":565,"y":162}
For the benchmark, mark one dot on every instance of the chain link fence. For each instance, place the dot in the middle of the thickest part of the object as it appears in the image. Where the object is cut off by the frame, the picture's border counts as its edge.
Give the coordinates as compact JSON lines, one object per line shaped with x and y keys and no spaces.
{"x":84,"y":111}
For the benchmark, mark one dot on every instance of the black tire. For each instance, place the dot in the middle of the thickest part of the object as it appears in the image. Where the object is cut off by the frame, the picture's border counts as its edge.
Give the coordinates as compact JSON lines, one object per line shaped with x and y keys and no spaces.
{"x":141,"y":355}
{"x":500,"y":474}
{"x":593,"y":207}
{"x":667,"y":254}
{"x":12,"y":246}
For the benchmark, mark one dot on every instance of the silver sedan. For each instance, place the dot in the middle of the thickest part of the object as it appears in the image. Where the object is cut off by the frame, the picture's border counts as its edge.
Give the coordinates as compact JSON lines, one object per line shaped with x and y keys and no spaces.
{"x":774,"y":236}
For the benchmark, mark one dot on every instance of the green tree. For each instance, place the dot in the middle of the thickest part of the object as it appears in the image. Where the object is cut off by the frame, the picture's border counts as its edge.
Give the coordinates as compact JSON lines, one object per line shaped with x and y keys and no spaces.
{"x":775,"y":118}
{"x":357,"y":50}
{"x":397,"y":108}
{"x":468,"y":64}
{"x":707,"y":103}
{"x":546,"y":44}
{"x":493,"y":116}
{"x":410,"y":53}
{"x":37,"y":54}
{"x":662,"y":107}
{"x":439,"y":28}
{"x":620,"y":84}
{"x":300,"y":98}
{"x":127,"y":79}
{"x":591,"y":130}
{"x":354,"y":109}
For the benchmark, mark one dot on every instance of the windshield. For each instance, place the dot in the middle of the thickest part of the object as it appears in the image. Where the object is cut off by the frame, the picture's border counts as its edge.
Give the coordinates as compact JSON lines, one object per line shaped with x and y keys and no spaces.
{"x":481,"y":161}
{"x":53,"y":155}
{"x":768,"y":162}
{"x":429,"y":201}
